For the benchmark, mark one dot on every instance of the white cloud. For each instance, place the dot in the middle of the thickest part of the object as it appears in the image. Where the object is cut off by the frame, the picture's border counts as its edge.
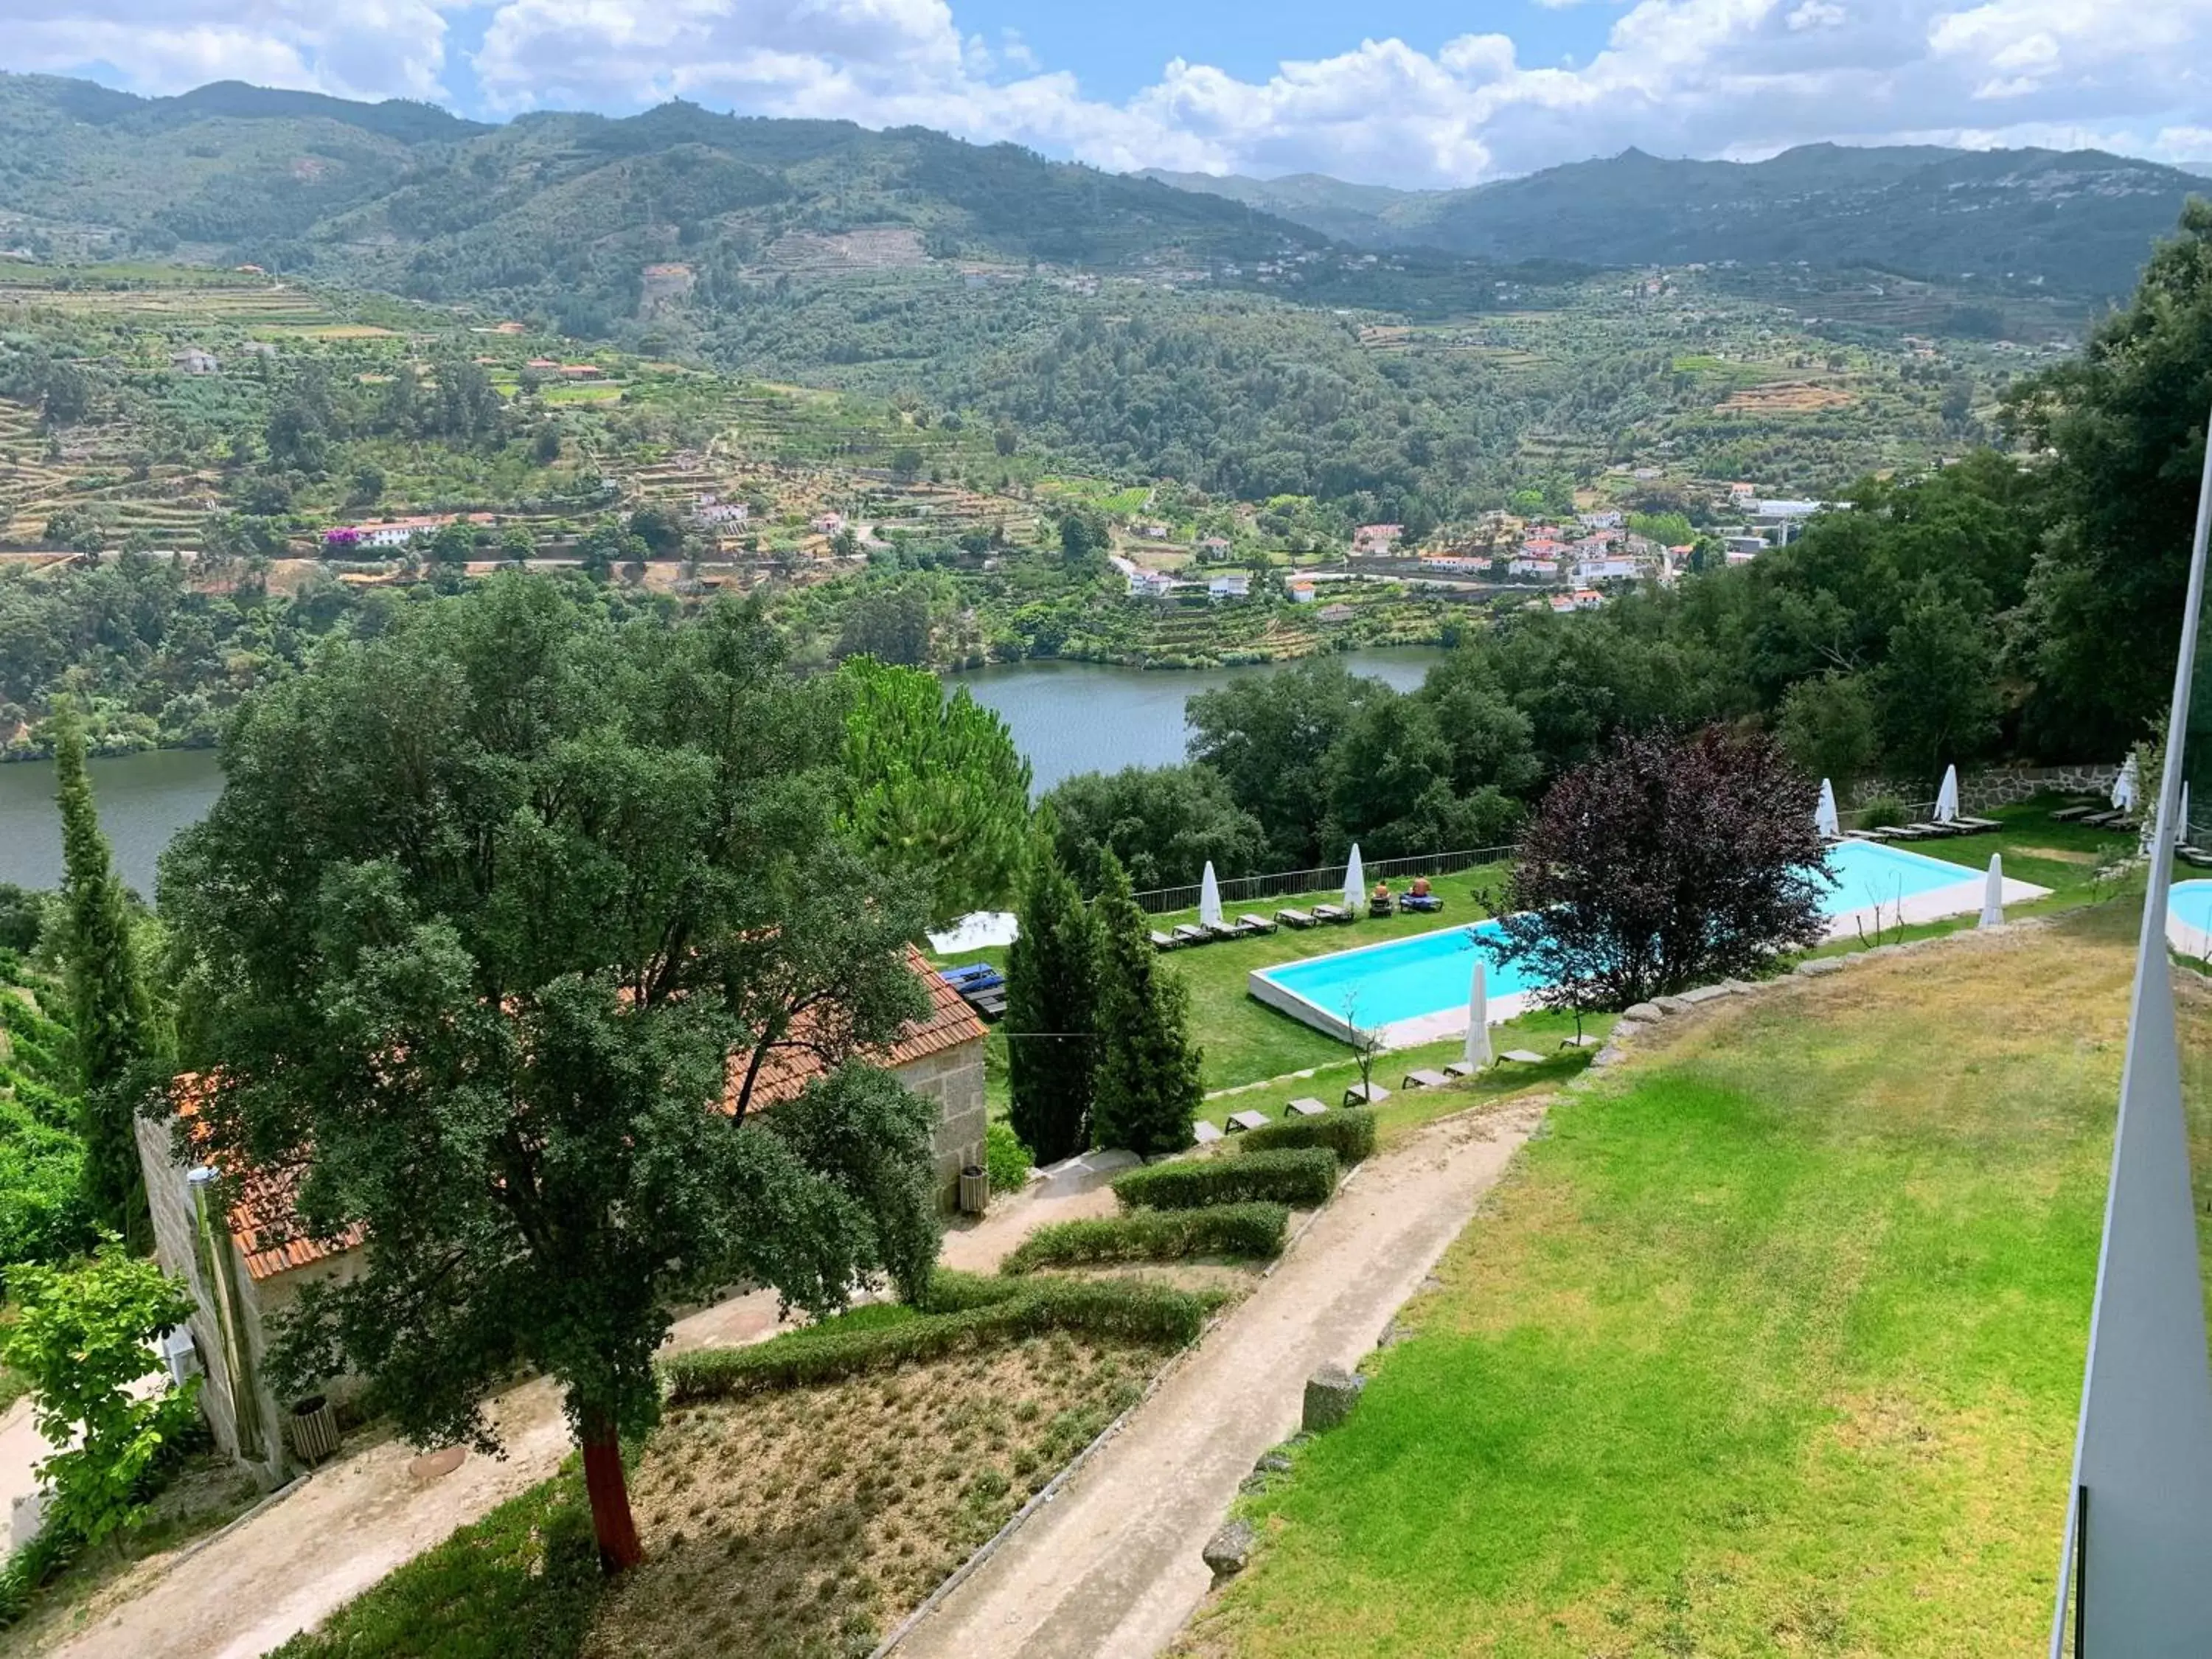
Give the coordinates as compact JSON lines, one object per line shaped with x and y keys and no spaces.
{"x":1708,"y":77}
{"x":353,"y":48}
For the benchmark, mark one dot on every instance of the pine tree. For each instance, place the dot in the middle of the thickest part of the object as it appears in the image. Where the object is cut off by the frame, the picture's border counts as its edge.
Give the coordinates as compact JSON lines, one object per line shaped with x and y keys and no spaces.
{"x":107,"y":998}
{"x":1052,"y":994}
{"x":1146,"y":1089}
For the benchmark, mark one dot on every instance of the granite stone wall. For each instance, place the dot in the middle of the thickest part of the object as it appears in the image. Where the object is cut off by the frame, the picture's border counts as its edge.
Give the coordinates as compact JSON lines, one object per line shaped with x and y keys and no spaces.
{"x":954,"y":1079}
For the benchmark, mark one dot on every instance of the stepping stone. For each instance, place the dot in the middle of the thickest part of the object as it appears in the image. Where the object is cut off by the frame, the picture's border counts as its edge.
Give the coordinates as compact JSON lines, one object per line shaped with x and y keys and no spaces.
{"x":1204,"y":1131}
{"x":1522,"y":1057}
{"x":1425,"y":1079}
{"x":1306,"y":1106}
{"x":1248,"y":1121}
{"x":1365,"y":1094}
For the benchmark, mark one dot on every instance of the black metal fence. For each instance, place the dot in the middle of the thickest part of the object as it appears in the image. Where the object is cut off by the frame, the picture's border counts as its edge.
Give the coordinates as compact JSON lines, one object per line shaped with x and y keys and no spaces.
{"x":1328,"y":879}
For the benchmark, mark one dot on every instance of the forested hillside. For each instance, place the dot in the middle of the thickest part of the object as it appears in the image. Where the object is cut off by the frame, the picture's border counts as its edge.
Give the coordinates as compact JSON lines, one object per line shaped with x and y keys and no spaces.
{"x":2079,"y":221}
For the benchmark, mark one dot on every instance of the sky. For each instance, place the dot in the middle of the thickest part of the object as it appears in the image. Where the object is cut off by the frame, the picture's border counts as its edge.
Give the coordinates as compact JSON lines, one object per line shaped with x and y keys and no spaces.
{"x":1411,"y":93}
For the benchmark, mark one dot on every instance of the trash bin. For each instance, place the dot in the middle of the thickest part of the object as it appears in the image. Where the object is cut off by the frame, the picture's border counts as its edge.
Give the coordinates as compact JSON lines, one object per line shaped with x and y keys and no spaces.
{"x":975,"y":1189}
{"x":314,"y":1428}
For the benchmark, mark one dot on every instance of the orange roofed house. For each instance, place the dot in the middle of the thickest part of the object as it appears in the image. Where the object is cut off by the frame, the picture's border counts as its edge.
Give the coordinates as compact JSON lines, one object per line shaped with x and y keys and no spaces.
{"x":249,"y":1265}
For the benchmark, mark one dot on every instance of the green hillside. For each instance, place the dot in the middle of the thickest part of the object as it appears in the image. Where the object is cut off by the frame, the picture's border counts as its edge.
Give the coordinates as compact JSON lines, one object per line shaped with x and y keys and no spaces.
{"x":2079,"y":221}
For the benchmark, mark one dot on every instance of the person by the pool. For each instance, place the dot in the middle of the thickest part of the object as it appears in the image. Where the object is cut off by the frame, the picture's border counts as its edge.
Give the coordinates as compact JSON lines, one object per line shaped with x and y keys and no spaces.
{"x":1419,"y":888}
{"x":1381,"y":892}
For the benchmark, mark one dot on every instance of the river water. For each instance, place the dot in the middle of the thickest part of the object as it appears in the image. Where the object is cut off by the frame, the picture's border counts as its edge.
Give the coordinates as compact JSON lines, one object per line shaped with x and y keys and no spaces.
{"x":1066,"y":717}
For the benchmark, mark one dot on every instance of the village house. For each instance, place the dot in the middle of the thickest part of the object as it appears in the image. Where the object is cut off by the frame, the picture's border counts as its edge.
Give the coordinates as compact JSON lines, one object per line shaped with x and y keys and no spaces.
{"x":1234,"y":585}
{"x":827,"y":524}
{"x":1300,"y":590}
{"x":1376,"y":539}
{"x":1542,"y":569}
{"x":195,"y":360}
{"x":1149,"y":584}
{"x":238,"y":1245}
{"x":1335,"y":613}
{"x":708,"y":508}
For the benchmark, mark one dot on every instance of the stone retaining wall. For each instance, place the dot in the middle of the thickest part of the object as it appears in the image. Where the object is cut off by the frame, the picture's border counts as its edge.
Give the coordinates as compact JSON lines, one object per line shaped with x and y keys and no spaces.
{"x":1999,"y":786}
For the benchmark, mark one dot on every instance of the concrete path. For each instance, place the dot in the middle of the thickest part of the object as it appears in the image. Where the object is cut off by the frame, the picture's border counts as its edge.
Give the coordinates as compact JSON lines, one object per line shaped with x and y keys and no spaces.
{"x":292,"y":1564}
{"x":1110,"y":1569}
{"x":23,"y":1449}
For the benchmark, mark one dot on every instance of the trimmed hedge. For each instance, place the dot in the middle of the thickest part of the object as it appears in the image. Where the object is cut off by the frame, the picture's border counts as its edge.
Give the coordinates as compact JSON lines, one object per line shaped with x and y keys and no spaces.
{"x":1154,"y":1235}
{"x":1349,"y":1133}
{"x":1303,"y":1176}
{"x":1142,"y":1313}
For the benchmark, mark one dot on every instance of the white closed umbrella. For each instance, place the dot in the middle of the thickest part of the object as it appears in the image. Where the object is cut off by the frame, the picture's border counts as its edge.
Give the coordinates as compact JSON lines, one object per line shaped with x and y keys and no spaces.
{"x":1824,"y":814}
{"x":1355,"y":883}
{"x":1477,"y":1051}
{"x":1209,"y":897}
{"x":1993,"y":893}
{"x":2124,"y":787}
{"x":1947,"y":798}
{"x":2184,"y":825}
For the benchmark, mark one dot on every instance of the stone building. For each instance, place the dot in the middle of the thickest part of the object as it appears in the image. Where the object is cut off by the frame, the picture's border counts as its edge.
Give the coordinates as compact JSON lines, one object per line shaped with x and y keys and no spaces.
{"x":248,"y":1264}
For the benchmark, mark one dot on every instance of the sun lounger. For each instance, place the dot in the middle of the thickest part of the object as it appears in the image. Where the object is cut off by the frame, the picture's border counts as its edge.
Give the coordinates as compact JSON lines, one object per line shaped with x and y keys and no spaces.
{"x":1222,"y":930}
{"x":1335,"y":913}
{"x":2072,"y":814}
{"x":1869,"y":834}
{"x":1424,"y":903}
{"x":1295,"y":918}
{"x":1247,"y":1121}
{"x":1933,"y":831}
{"x":1306,"y":1106}
{"x":1204,"y":1132}
{"x":2104,"y":820}
{"x":1582,"y":1040}
{"x":1974,"y":826}
{"x":2196,"y":855}
{"x":1365,"y":1094}
{"x":1163,"y":941}
{"x":1191,"y":933}
{"x":1381,"y":907}
{"x":1424,"y":1079}
{"x":1462,"y":1068}
{"x":1255,"y":924}
{"x":1522,"y":1057}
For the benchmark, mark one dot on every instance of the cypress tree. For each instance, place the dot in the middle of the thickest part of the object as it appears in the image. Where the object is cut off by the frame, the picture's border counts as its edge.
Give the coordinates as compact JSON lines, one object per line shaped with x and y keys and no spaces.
{"x":1052,"y":993}
{"x":107,"y":998}
{"x":1146,"y":1090}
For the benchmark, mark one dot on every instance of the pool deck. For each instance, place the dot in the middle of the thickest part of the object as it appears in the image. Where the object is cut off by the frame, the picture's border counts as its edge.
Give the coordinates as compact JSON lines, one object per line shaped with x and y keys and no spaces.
{"x":1960,"y":897}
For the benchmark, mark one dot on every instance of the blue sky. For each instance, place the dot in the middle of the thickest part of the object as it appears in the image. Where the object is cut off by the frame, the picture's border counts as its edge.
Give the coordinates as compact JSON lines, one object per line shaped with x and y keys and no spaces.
{"x":1395,"y":91}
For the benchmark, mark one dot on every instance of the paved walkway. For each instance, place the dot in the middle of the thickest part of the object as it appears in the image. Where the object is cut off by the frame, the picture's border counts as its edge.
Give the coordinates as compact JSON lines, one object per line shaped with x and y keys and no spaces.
{"x":354,"y":1521}
{"x":1110,"y":1569}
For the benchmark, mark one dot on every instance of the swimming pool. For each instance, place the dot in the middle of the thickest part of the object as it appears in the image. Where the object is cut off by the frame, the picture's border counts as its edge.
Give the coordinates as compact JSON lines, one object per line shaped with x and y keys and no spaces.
{"x":1415,"y":989}
{"x":2189,"y":918}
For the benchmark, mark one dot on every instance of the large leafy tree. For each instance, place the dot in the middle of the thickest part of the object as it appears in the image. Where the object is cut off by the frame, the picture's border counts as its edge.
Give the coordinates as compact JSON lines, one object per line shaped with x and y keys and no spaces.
{"x":936,"y":789}
{"x":1163,"y":823}
{"x":109,"y":1011}
{"x":1665,"y":862}
{"x":495,"y":931}
{"x":1051,"y":1012}
{"x":1146,"y":1093}
{"x":2126,"y":421}
{"x":1269,"y":737}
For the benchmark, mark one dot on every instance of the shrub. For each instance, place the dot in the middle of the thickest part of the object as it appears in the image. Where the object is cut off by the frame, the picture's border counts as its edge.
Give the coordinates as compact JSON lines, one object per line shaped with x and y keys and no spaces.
{"x":1142,"y":1313}
{"x":1350,"y":1135}
{"x":1005,"y":1158}
{"x":1154,"y":1235}
{"x":1883,"y":811}
{"x":1305,"y":1177}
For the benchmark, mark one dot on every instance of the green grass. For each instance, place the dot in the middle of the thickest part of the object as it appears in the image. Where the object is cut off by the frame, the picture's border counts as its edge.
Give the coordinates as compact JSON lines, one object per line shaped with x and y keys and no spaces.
{"x":1772,"y":1345}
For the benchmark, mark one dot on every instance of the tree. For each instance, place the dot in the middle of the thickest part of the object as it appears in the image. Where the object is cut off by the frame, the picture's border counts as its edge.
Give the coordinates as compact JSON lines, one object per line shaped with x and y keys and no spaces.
{"x":935,"y":788}
{"x":1938,"y":687}
{"x":1163,"y":823}
{"x":84,"y":1336}
{"x":1269,"y":737}
{"x":501,"y":929}
{"x":108,"y":1006}
{"x":1665,"y":863}
{"x":1052,"y":990}
{"x":1827,"y":727}
{"x":905,"y":463}
{"x":1146,"y":1090}
{"x":659,"y":529}
{"x":1085,"y":539}
{"x":889,"y":621}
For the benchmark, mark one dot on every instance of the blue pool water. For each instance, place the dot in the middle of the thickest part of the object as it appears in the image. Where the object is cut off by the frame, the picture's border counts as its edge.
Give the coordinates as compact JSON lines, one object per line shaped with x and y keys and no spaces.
{"x":2191,"y":902}
{"x":1429,"y":973}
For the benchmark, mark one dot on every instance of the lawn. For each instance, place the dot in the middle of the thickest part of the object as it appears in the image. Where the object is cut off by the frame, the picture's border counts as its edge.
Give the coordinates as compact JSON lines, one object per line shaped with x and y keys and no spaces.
{"x":1772,"y":1344}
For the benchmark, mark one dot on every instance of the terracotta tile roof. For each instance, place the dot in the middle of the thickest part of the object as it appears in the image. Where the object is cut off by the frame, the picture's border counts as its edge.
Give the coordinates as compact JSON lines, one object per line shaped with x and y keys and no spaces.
{"x":264,"y":1221}
{"x":787,"y":1072}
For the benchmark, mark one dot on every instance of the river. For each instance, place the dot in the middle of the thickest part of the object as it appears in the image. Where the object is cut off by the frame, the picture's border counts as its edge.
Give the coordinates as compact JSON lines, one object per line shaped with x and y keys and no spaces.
{"x":1066,"y":717}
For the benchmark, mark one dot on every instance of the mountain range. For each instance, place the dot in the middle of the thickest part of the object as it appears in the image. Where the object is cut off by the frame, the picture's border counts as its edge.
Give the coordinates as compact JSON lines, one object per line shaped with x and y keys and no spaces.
{"x":567,"y":212}
{"x":2079,"y":221}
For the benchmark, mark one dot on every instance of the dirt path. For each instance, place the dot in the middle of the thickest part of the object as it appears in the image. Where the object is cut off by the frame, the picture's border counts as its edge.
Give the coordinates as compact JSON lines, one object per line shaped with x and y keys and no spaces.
{"x":1111,"y":1570}
{"x":290,"y":1564}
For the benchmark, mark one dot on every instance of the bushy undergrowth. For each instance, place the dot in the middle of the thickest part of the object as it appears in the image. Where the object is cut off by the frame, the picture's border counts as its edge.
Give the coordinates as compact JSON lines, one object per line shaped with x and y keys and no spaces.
{"x":823,"y":1354}
{"x":1350,"y":1135}
{"x":1154,"y":1235}
{"x":1301,"y":1176}
{"x":1006,"y":1159}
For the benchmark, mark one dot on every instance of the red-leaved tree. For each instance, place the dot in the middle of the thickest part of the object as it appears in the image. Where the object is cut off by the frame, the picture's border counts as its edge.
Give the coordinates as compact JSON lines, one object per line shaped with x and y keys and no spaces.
{"x":1666,"y":862}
